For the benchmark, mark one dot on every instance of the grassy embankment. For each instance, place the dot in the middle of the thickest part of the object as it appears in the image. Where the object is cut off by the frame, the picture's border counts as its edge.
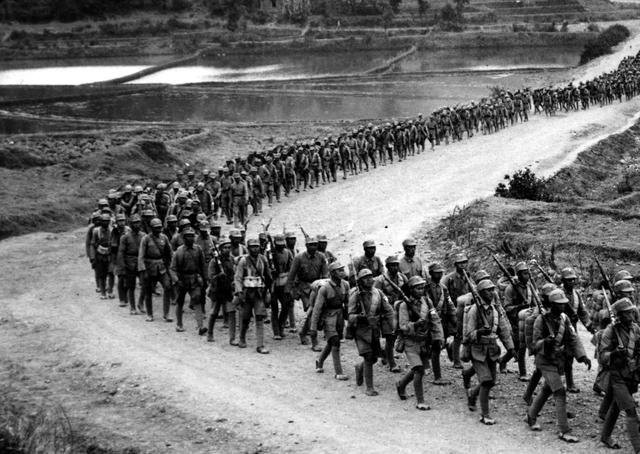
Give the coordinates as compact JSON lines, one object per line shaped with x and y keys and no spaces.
{"x":595,"y":212}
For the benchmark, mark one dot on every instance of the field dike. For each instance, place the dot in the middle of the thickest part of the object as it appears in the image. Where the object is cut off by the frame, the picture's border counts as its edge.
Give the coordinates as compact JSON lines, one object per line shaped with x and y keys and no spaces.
{"x":595,"y":212}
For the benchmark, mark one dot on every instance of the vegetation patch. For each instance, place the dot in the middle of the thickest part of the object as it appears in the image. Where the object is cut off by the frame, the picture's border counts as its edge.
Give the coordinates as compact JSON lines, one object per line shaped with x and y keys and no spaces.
{"x":603,"y":43}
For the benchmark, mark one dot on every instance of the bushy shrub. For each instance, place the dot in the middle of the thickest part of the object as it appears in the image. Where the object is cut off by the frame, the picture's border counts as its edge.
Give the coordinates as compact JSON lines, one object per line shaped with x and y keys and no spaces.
{"x":604,"y":42}
{"x":523,"y":184}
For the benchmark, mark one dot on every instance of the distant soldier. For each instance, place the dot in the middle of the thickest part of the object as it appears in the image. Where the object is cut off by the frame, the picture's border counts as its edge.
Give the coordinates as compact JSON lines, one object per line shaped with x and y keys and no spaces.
{"x":420,"y":327}
{"x":553,"y":338}
{"x":188,"y":274}
{"x":114,"y":242}
{"x":322,"y":247}
{"x":252,"y":279}
{"x":328,"y":314}
{"x":367,"y":308}
{"x":239,"y":200}
{"x":484,"y":323}
{"x":154,"y":258}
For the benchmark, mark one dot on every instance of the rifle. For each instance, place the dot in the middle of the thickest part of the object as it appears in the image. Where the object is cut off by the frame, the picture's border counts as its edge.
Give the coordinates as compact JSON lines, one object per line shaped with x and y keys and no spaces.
{"x":512,"y":280}
{"x":306,"y":236}
{"x":396,"y":288}
{"x":604,"y":291}
{"x":543,"y":272}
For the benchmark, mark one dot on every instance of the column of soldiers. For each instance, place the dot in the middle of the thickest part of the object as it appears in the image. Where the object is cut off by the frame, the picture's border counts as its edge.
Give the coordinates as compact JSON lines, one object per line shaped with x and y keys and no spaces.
{"x":387,"y":307}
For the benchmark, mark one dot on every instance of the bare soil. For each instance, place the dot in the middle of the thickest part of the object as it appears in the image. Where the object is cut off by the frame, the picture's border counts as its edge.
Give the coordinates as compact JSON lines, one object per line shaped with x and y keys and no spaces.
{"x":129,"y":384}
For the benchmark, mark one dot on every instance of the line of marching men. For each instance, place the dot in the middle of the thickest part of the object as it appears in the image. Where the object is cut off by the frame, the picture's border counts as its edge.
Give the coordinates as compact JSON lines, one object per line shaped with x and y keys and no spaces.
{"x":386,"y":308}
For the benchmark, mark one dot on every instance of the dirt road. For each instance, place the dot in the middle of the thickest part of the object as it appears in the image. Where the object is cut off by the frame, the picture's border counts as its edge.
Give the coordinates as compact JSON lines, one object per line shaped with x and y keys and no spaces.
{"x":277,"y":402}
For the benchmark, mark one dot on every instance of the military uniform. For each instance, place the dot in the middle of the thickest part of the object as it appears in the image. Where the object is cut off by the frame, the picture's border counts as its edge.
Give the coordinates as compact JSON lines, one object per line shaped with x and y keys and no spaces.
{"x":188,"y":268}
{"x":154,"y":257}
{"x":281,"y":300}
{"x":221,"y":274}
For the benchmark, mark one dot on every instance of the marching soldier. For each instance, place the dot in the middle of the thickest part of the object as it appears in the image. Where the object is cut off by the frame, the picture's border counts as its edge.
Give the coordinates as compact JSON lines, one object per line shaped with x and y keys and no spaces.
{"x":409,"y":265}
{"x":516,"y":299}
{"x":420,"y":327}
{"x":100,"y":252}
{"x":457,"y":286}
{"x":484,"y":323}
{"x":221,"y":275}
{"x":154,"y":258}
{"x":385,"y":282}
{"x":576,"y":310}
{"x":307,"y":267}
{"x":322,"y":247}
{"x":114,"y":243}
{"x":367,"y":308}
{"x":330,"y":303}
{"x":369,"y":260}
{"x":281,"y":300}
{"x":188,"y":273}
{"x":446,"y":310}
{"x":252,"y":279}
{"x":618,"y":354}
{"x":128,"y":260}
{"x":553,"y":338}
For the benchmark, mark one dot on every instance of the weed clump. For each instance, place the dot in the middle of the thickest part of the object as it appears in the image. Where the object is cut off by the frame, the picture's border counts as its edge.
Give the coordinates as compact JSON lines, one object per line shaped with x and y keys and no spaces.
{"x":604,"y":42}
{"x":524,"y":184}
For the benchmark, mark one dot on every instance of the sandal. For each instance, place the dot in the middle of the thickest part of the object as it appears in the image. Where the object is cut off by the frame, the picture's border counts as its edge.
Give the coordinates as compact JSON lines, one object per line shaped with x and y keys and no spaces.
{"x":487,"y":420}
{"x":423,"y":407}
{"x":533,"y":424}
{"x":341,"y":377}
{"x":262,"y":350}
{"x":319,"y":368}
{"x":567,"y":437}
{"x":609,"y":443}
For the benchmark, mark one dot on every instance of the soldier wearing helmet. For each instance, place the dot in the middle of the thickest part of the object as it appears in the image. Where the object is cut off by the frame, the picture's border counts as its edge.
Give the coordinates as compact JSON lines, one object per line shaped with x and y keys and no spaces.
{"x":484,"y":324}
{"x":206,"y":199}
{"x":576,"y":310}
{"x":367,"y":308}
{"x":518,"y":297}
{"x":154,"y":258}
{"x":114,"y":241}
{"x":127,"y":260}
{"x":322,"y":247}
{"x":188,"y":275}
{"x":127,"y":200}
{"x":410,"y":265}
{"x":251,"y":283}
{"x":94,"y":223}
{"x":618,"y":355}
{"x":389,"y":282}
{"x":221,"y":275}
{"x":369,"y":260}
{"x":307,"y":266}
{"x":239,"y":200}
{"x":281,"y":300}
{"x":421,"y":328}
{"x":100,"y":252}
{"x":330,"y":302}
{"x":553,"y":338}
{"x":439,"y":296}
{"x":457,"y":286}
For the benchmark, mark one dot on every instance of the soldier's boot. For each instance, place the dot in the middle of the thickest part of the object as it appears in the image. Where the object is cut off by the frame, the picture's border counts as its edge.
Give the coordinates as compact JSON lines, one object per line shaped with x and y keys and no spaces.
{"x":522,"y":366}
{"x":401,"y":385}
{"x":472,"y":397}
{"x":210,"y":323}
{"x":389,"y":354}
{"x":632,"y":430}
{"x":368,"y":379}
{"x":231,"y":319}
{"x":166,"y":303}
{"x":244,"y":327}
{"x":322,"y":357}
{"x":337,"y":363}
{"x":456,"y":354}
{"x":200,"y":319}
{"x":435,"y":366}
{"x":483,"y":395}
{"x":560,"y":398}
{"x":260,"y":335}
{"x":531,"y":386}
{"x":604,"y":406}
{"x":314,"y":343}
{"x":359,"y":373}
{"x":418,"y":387}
